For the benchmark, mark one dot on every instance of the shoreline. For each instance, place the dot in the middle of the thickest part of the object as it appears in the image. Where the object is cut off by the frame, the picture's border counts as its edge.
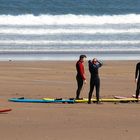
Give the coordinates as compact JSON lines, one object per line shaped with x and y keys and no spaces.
{"x":68,"y":56}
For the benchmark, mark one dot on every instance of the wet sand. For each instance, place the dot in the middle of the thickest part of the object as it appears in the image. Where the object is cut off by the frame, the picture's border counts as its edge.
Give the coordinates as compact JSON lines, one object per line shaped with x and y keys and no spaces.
{"x":38,"y":79}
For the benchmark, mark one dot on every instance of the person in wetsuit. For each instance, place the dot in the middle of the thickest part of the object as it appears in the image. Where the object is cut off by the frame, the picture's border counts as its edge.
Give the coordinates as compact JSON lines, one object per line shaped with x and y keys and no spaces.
{"x":80,"y":77}
{"x":137,"y":79}
{"x":94,"y":66}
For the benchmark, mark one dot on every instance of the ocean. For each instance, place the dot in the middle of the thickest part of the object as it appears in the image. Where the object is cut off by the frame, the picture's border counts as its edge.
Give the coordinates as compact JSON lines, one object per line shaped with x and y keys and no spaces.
{"x":64,"y":29}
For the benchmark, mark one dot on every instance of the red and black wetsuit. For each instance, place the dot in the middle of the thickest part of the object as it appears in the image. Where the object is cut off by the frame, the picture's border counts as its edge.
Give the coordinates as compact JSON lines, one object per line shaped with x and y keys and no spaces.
{"x":137,"y":76}
{"x":80,"y":77}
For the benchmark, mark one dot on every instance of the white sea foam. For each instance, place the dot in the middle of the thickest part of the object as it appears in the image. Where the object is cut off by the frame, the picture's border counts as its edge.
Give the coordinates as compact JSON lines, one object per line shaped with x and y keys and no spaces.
{"x":70,"y":33}
{"x":68,"y":19}
{"x":26,"y":31}
{"x":72,"y":42}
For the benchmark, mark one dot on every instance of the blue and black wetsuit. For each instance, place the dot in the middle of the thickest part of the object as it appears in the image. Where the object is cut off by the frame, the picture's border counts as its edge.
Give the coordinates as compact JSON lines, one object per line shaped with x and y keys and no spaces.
{"x":94,"y":80}
{"x":137,"y":76}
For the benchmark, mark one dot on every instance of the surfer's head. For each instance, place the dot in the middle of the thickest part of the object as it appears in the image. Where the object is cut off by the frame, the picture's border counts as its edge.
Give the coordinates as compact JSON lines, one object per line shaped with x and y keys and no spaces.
{"x":82,"y":58}
{"x":94,"y":61}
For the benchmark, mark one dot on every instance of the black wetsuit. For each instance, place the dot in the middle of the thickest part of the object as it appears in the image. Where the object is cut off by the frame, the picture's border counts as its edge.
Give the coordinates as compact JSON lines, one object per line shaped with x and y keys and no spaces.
{"x":94,"y":80}
{"x":137,"y":76}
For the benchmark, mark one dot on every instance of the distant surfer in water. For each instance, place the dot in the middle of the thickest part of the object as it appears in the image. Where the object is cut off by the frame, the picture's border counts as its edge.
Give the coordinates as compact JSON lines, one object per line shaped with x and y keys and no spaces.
{"x":94,"y":66}
{"x":137,"y":79}
{"x":80,"y":77}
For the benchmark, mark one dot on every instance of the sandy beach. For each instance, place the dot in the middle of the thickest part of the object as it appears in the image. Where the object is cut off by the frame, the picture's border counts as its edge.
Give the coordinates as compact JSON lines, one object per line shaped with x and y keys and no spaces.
{"x":39,"y":79}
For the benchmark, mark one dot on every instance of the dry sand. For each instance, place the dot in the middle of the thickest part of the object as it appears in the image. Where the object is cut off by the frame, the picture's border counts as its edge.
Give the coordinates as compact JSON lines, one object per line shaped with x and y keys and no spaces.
{"x":28,"y":121}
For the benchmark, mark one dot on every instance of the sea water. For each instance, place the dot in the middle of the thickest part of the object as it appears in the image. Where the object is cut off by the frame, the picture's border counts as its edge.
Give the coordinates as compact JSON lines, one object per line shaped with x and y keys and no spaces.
{"x":64,"y":29}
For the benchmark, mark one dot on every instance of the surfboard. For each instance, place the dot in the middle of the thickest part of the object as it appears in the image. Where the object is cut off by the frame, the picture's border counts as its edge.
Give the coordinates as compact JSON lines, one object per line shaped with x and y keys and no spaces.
{"x":85,"y":100}
{"x":5,"y":110}
{"x":25,"y":100}
{"x":107,"y":100}
{"x":122,"y":97}
{"x":59,"y":100}
{"x":134,"y":96}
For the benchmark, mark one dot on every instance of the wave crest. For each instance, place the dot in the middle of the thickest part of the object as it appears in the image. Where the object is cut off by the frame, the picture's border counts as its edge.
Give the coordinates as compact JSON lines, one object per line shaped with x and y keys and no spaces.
{"x":68,"y":19}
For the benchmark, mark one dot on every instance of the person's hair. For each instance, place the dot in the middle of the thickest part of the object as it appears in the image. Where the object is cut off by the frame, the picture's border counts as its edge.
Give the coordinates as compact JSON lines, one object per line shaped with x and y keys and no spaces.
{"x":94,"y":59}
{"x":82,"y":56}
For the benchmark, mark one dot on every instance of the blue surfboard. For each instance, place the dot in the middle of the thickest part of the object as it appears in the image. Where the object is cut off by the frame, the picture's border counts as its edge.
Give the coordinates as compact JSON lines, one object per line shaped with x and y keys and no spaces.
{"x":25,"y":100}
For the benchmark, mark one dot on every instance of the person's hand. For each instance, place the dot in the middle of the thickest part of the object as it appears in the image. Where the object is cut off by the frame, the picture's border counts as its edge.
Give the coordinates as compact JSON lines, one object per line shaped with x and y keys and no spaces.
{"x":136,"y":80}
{"x":85,"y":81}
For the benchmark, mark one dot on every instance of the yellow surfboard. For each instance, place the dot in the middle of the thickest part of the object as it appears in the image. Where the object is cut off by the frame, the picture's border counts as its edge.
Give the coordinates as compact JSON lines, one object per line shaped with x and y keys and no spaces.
{"x":107,"y":100}
{"x":85,"y":100}
{"x":50,"y":99}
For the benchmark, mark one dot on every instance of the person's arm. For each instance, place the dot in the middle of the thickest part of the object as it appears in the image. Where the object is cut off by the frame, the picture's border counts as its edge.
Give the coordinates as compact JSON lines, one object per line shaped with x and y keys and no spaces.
{"x":136,"y":72}
{"x":82,"y":71}
{"x":90,"y":65}
{"x":100,"y":63}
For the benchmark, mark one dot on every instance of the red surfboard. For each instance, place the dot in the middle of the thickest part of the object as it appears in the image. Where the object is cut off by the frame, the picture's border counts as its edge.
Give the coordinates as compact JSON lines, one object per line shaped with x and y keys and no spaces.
{"x":5,"y":110}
